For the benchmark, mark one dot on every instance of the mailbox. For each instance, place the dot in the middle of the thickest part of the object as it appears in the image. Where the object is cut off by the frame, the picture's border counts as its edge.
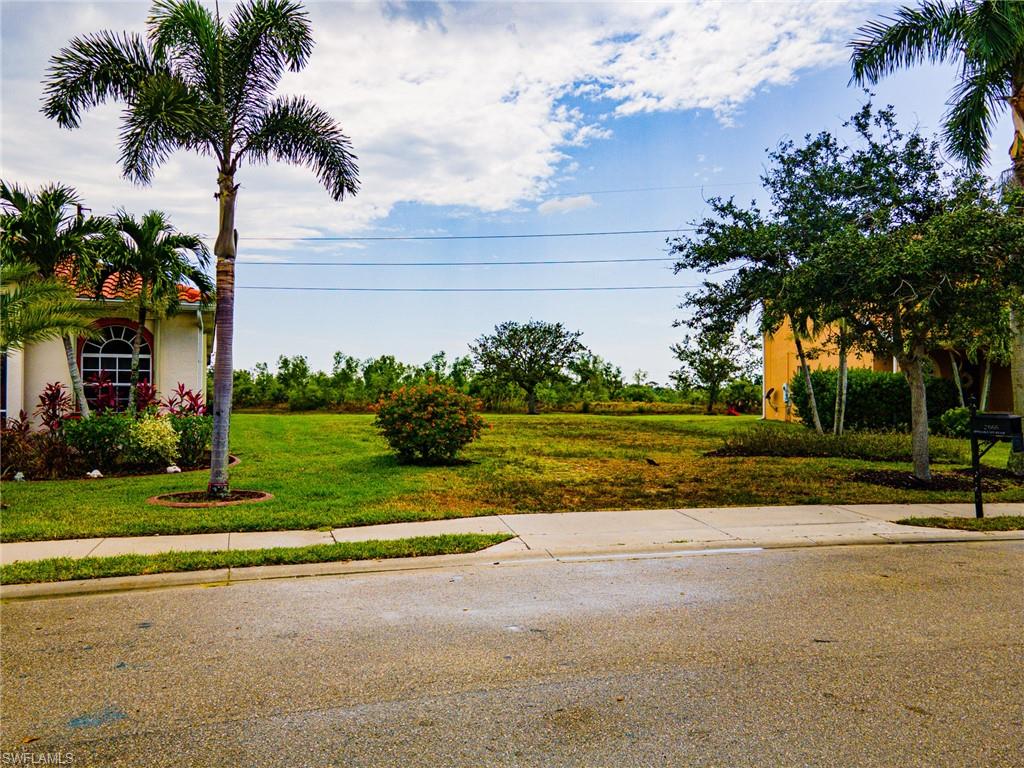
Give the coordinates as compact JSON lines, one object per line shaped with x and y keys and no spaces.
{"x":998,"y":427}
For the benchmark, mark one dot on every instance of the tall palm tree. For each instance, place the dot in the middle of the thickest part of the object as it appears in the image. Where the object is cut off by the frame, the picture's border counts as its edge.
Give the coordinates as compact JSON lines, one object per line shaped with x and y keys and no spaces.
{"x":149,"y":260}
{"x":985,"y":39}
{"x":35,"y":309}
{"x":201,"y":84}
{"x":47,"y":230}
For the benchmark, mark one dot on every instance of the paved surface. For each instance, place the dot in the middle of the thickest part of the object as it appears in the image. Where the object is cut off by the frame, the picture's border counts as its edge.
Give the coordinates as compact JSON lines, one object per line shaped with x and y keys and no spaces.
{"x":568,"y":533}
{"x":817,"y":656}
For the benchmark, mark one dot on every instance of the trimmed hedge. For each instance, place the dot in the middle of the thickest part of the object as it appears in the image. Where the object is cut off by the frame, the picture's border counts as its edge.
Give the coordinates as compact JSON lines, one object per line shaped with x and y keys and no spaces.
{"x":873,"y":400}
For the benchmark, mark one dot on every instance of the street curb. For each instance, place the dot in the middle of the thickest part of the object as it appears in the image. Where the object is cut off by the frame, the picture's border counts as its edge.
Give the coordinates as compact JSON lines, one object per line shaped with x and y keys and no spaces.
{"x":227,"y":576}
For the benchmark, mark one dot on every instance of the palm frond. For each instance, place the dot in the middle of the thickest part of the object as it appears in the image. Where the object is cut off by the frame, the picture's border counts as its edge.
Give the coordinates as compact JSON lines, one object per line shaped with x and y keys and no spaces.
{"x":976,"y":103}
{"x":296,"y":131}
{"x":187,"y":35}
{"x":93,"y":69}
{"x":265,"y":38}
{"x":33,"y":309}
{"x":931,"y":32}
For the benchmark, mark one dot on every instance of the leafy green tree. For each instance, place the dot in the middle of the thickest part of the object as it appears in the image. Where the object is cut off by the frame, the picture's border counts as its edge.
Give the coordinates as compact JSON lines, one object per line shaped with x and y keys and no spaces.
{"x":35,"y":309}
{"x":47,"y":230}
{"x":527,"y":355}
{"x":985,"y":40}
{"x":906,"y":291}
{"x":760,"y":249}
{"x":198,"y":83}
{"x":149,"y":260}
{"x":711,"y":358}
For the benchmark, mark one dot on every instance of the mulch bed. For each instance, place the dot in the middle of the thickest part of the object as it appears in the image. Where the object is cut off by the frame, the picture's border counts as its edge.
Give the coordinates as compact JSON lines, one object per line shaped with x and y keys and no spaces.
{"x":202,"y":499}
{"x":992,"y":479}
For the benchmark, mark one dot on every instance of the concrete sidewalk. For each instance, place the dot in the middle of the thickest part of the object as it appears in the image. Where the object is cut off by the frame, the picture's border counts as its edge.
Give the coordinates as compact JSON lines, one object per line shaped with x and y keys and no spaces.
{"x":567,"y":535}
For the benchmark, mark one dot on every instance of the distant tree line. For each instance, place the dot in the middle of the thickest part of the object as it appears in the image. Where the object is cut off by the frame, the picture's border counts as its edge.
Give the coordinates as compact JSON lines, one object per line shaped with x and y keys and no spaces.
{"x":519,"y":367}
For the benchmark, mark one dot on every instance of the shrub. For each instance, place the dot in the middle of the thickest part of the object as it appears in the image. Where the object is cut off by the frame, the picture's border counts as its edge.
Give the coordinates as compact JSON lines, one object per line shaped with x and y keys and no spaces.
{"x":956,"y":422}
{"x":782,"y":440}
{"x":307,"y":397}
{"x":99,"y":440}
{"x":18,"y":452}
{"x":184,"y":401}
{"x":874,"y":400}
{"x":743,"y":395}
{"x":428,"y":422}
{"x":194,"y":433}
{"x":153,"y":442}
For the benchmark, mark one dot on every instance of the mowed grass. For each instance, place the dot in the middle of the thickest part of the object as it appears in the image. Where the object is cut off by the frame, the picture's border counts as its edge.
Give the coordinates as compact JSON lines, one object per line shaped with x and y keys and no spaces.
{"x":67,"y":569}
{"x":333,"y":470}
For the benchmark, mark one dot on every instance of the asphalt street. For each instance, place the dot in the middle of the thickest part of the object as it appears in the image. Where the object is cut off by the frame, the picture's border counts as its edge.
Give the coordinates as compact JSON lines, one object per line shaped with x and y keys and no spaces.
{"x":891,"y":655}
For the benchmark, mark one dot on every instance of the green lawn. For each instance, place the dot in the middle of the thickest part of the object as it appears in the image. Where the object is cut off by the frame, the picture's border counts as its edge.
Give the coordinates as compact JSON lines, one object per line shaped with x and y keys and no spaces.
{"x":998,"y":523}
{"x":328,"y":470}
{"x":67,"y":569}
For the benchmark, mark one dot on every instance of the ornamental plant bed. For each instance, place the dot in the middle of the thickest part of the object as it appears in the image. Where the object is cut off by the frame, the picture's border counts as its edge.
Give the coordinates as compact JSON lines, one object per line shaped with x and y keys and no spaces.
{"x":203,"y":499}
{"x":992,"y":480}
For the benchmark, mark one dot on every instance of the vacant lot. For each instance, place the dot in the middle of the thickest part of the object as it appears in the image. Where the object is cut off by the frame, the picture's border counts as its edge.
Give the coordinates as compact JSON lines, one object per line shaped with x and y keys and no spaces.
{"x":333,"y":471}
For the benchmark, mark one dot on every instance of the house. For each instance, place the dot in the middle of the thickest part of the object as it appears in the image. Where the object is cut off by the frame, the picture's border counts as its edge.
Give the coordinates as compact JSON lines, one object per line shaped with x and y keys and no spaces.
{"x":175,"y":349}
{"x":782,"y":364}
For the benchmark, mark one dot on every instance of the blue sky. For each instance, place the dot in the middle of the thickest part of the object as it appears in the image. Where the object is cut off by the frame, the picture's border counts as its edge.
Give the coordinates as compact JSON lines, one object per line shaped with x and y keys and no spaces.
{"x":484,"y":119}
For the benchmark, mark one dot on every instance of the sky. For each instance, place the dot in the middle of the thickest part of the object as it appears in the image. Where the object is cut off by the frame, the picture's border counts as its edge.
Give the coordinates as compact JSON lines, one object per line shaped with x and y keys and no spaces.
{"x":482,"y":118}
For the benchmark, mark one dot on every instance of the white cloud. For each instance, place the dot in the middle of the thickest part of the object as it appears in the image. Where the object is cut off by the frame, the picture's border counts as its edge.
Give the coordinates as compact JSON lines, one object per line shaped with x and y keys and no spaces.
{"x":469,"y":105}
{"x":566,"y":204}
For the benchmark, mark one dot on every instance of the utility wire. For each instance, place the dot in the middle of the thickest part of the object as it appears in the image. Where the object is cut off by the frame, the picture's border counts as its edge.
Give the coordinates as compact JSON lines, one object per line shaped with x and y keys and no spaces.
{"x":370,"y":238}
{"x":466,"y":290}
{"x":649,"y":189}
{"x":447,"y":263}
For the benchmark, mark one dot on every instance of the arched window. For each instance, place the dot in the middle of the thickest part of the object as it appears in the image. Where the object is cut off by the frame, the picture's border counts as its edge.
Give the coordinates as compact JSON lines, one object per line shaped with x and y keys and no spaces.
{"x":108,"y":358}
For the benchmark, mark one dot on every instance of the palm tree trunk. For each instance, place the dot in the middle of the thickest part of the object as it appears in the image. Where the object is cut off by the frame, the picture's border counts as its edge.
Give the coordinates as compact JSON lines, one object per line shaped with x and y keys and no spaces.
{"x":807,"y":380}
{"x":914,"y":371}
{"x":1015,"y":463}
{"x":136,"y":347}
{"x":76,"y":377}
{"x":225,"y":250}
{"x":955,"y":368}
{"x":839,"y":420}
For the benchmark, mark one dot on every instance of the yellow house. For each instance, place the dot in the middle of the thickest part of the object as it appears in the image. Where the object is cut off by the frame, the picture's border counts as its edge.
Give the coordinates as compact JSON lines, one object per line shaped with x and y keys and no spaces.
{"x":782,"y":365}
{"x":174,"y":350}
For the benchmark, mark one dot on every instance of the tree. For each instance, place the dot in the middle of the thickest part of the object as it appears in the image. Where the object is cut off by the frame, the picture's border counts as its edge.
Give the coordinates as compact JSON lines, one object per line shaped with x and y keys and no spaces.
{"x":35,"y":309}
{"x":200,"y":84}
{"x":909,"y":290}
{"x":149,"y":260}
{"x":527,"y":355}
{"x":47,"y":230}
{"x":985,"y":39}
{"x":761,"y":249}
{"x":711,"y":359}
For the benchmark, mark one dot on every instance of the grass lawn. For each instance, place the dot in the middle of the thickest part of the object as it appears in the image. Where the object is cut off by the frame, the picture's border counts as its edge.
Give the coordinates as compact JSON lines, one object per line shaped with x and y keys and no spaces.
{"x":333,"y":470}
{"x":998,"y":523}
{"x":66,"y":568}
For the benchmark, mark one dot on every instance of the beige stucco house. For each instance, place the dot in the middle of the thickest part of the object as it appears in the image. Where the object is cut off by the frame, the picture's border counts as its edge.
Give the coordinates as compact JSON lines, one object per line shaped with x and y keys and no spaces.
{"x":175,"y":349}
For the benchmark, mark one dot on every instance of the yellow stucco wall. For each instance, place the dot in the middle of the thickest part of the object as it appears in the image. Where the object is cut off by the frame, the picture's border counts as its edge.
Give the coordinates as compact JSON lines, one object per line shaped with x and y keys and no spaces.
{"x":781,"y":364}
{"x":181,"y":352}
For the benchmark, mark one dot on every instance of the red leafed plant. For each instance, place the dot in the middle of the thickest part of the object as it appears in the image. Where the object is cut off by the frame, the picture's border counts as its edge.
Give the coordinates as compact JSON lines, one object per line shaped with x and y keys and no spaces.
{"x":54,"y":404}
{"x":105,"y":397}
{"x":145,"y":395}
{"x":185,"y":402}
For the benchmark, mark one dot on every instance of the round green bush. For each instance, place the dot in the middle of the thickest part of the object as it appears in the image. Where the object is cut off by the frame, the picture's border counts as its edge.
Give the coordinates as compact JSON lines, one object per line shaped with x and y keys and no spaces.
{"x":428,"y":422}
{"x":956,"y":422}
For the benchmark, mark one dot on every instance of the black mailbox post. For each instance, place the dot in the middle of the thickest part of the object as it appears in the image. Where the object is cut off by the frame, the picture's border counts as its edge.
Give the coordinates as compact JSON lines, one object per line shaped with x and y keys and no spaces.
{"x":991,"y":428}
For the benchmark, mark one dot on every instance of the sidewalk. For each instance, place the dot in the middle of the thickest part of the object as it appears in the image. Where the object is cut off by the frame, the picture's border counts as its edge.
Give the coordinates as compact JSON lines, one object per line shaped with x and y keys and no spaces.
{"x":569,"y":535}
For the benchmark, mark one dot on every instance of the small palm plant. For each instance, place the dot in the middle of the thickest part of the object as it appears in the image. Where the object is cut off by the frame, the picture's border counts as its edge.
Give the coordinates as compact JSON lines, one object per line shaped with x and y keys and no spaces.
{"x":150,"y":260}
{"x":47,"y":230}
{"x":35,"y":309}
{"x":198,"y":83}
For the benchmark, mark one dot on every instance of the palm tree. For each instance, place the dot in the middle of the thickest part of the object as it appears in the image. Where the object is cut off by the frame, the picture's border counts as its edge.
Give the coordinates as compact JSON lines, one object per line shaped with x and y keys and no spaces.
{"x":150,"y":260}
{"x":35,"y":309}
{"x":47,"y":230}
{"x":985,"y":39}
{"x":200,"y":84}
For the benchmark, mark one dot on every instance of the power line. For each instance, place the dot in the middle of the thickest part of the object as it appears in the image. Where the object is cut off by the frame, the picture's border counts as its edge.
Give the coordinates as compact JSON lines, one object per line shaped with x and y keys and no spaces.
{"x":371,"y":238}
{"x":447,"y":263}
{"x":467,"y":290}
{"x":650,"y":189}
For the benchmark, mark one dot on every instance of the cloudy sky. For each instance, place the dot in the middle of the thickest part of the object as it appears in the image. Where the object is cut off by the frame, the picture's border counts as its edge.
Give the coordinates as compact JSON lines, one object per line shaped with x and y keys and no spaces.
{"x":477,"y":119}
